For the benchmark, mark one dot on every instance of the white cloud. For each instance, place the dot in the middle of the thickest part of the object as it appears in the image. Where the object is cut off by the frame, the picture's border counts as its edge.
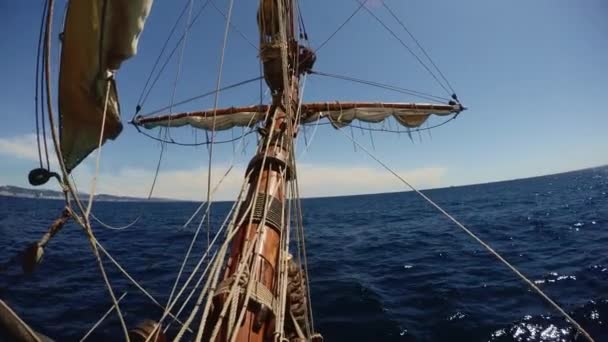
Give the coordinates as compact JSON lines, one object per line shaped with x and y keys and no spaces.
{"x":320,"y":180}
{"x":191,"y":184}
{"x":21,"y":146}
{"x":315,"y":181}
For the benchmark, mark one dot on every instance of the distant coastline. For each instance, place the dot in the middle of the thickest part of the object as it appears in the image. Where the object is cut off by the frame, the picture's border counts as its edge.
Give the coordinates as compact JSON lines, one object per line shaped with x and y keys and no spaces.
{"x":19,"y":192}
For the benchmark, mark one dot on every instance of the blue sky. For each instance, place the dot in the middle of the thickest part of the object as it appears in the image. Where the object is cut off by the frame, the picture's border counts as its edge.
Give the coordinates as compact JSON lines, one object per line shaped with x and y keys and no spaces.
{"x":533,"y":73}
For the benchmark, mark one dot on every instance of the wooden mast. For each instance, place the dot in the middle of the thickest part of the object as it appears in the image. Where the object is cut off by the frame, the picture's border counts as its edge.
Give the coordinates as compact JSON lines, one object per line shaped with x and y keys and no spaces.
{"x":270,"y":170}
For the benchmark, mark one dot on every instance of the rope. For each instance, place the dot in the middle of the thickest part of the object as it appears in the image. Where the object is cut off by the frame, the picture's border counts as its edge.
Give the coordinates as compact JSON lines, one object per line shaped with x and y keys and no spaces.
{"x":361,"y":4}
{"x":162,"y":51}
{"x":130,"y":278}
{"x":407,"y":47}
{"x":235,"y":205}
{"x":215,"y":104}
{"x":384,"y":86}
{"x":102,"y":318}
{"x":98,"y":157}
{"x":481,"y":242}
{"x":232,"y":26}
{"x":186,"y":257}
{"x":66,"y":182}
{"x":203,"y":95}
{"x":303,"y":249}
{"x":418,"y":44}
{"x":212,"y":282}
{"x":38,"y":87}
{"x":218,"y":256}
{"x":141,"y":101}
{"x":231,"y":232}
{"x":428,"y":128}
{"x":194,"y":144}
{"x":167,"y":312}
{"x":179,"y":66}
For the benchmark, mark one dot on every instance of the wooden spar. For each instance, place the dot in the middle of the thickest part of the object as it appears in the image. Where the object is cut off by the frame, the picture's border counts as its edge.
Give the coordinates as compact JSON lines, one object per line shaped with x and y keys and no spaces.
{"x":269,"y":173}
{"x":307,"y":108}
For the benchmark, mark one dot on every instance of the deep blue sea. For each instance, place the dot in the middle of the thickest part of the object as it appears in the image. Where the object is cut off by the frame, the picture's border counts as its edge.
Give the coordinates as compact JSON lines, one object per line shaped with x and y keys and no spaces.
{"x":383,"y":267}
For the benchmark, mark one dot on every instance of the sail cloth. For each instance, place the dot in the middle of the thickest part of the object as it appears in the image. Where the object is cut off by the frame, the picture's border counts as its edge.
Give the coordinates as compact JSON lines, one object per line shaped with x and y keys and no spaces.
{"x":98,"y":36}
{"x":339,"y":114}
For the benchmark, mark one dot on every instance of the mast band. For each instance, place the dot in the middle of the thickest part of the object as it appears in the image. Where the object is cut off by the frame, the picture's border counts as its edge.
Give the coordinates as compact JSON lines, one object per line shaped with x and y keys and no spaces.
{"x":274,"y":215}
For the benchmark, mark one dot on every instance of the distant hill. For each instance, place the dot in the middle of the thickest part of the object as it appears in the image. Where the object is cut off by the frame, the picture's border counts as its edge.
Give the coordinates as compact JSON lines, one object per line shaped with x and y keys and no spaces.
{"x":15,"y":191}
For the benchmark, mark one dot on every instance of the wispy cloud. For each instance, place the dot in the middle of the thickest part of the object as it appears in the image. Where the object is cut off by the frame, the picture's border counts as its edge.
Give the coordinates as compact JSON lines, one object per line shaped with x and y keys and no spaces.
{"x":21,"y":147}
{"x":315,"y":181}
{"x":191,"y":183}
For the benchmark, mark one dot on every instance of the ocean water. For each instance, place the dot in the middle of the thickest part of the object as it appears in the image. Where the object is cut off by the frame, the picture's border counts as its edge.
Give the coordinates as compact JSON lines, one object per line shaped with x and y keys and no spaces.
{"x":383,"y":267}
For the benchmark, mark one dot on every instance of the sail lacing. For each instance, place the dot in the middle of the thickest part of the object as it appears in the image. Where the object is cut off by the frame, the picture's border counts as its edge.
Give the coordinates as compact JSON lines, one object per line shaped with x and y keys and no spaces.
{"x":479,"y":240}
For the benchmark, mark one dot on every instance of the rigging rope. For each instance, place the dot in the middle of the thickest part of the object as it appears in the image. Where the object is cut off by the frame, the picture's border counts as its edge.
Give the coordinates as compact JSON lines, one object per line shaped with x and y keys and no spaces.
{"x":418,"y":44}
{"x":479,"y":240}
{"x":66,"y":182}
{"x":179,"y":66}
{"x":254,"y":79}
{"x":232,"y":26}
{"x":194,"y":144}
{"x":185,"y":285}
{"x":162,"y":51}
{"x":149,"y":197}
{"x":406,"y":46}
{"x":141,"y":100}
{"x":39,"y":90}
{"x":98,"y":157}
{"x":361,"y":5}
{"x":409,"y":131}
{"x":215,"y":105}
{"x":383,"y":86}
{"x":102,"y":318}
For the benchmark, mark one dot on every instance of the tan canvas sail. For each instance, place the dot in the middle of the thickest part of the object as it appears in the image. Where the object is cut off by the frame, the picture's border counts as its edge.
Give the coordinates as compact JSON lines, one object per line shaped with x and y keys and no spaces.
{"x":98,"y":36}
{"x":339,"y":114}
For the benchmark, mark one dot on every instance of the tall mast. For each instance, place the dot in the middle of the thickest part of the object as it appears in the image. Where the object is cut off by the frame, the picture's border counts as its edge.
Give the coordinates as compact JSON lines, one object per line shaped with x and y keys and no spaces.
{"x":269,"y":171}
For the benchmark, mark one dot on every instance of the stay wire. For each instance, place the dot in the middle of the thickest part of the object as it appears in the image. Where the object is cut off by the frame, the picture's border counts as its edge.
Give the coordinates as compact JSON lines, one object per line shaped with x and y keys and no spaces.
{"x":213,"y":92}
{"x":407,"y":47}
{"x":418,"y":44}
{"x":180,"y":60}
{"x":215,"y":105}
{"x":384,"y":86}
{"x":39,"y":116}
{"x":162,"y":51}
{"x":66,"y":182}
{"x":234,"y":27}
{"x":479,"y":240}
{"x":361,"y":5}
{"x":162,"y":69}
{"x":303,"y":32}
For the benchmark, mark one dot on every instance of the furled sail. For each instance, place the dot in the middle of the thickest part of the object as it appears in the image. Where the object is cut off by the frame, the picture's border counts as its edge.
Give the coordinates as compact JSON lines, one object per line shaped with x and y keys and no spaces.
{"x":98,"y":36}
{"x":339,"y":114}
